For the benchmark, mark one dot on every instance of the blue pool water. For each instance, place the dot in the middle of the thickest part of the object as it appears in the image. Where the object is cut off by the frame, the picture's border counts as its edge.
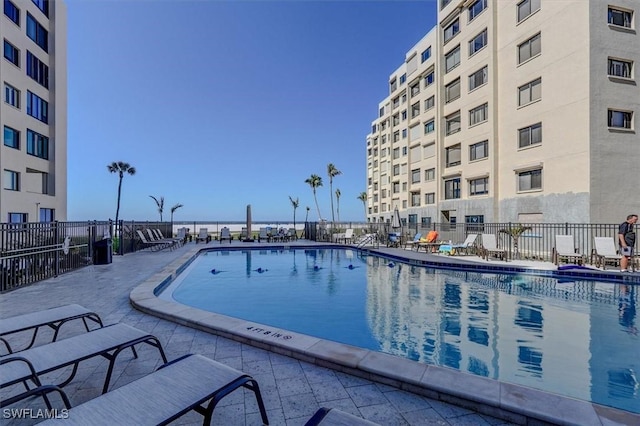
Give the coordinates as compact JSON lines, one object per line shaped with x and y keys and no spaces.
{"x":578,"y":339}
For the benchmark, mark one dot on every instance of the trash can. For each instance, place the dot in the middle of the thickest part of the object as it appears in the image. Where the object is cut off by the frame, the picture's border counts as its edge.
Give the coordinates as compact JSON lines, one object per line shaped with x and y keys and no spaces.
{"x":102,"y":252}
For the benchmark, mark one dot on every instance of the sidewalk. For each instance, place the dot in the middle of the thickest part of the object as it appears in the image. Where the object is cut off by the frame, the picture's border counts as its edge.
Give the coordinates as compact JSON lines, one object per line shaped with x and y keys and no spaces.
{"x":293,"y":390}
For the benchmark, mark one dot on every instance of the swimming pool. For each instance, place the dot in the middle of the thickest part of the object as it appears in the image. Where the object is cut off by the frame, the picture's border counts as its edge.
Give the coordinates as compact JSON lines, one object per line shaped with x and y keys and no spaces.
{"x":576,"y":339}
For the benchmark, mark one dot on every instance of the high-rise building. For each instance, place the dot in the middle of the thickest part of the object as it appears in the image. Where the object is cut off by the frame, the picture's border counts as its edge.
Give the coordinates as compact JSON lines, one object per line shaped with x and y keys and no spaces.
{"x":33,"y":111}
{"x":512,"y":111}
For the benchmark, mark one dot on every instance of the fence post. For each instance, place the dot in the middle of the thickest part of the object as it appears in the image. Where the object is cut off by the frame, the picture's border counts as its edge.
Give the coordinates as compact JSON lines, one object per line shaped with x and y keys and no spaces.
{"x":56,"y":236}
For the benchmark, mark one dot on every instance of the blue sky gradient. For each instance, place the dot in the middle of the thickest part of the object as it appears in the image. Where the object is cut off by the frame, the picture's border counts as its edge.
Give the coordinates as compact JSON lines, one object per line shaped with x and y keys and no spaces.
{"x":220,"y":104}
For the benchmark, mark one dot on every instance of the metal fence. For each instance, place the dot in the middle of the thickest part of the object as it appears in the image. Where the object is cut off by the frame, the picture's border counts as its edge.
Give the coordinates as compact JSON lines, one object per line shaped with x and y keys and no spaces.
{"x":534,"y":241}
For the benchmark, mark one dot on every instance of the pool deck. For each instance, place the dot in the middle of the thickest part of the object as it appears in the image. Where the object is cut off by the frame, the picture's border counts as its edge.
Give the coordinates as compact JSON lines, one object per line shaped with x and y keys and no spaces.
{"x":297,"y":373}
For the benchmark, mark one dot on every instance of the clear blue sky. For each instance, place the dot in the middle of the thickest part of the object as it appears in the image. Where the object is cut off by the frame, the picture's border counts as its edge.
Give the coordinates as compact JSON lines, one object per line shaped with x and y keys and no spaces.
{"x":220,"y":104}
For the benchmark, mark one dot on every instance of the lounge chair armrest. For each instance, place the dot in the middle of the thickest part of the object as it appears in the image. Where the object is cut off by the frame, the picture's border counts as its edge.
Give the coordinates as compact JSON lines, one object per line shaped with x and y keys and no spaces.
{"x":42,"y":391}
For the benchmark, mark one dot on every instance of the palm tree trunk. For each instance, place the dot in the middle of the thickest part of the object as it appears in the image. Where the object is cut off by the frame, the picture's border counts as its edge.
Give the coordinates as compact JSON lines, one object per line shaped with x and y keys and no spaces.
{"x":333,"y":217}
{"x":317,"y":206}
{"x":118,"y":204}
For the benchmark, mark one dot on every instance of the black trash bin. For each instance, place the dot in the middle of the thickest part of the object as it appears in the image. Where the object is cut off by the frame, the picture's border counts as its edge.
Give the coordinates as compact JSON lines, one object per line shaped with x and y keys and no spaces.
{"x":102,"y":252}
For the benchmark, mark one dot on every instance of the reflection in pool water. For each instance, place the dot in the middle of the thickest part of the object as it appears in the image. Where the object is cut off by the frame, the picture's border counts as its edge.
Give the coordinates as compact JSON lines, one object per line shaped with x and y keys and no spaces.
{"x":577,"y":339}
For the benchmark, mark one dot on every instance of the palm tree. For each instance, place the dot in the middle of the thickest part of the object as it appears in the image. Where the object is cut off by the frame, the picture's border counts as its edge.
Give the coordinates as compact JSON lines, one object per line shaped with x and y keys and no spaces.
{"x":338,"y":194}
{"x":515,"y":233}
{"x":121,"y":168}
{"x":363,"y":197}
{"x":173,"y":209}
{"x":314,"y":182}
{"x":295,"y":203}
{"x":306,"y":218}
{"x":332,"y":171}
{"x":160,"y":204}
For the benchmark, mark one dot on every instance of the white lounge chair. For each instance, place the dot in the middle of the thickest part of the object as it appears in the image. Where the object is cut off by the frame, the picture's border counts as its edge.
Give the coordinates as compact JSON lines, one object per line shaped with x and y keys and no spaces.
{"x":465,"y":246}
{"x":604,"y":251}
{"x":225,"y":235}
{"x":347,"y":237}
{"x":203,"y":235}
{"x":193,"y":382}
{"x":490,"y":247}
{"x":263,"y":235}
{"x":414,"y":242}
{"x":53,"y":318}
{"x":565,"y":249}
{"x":153,"y":245}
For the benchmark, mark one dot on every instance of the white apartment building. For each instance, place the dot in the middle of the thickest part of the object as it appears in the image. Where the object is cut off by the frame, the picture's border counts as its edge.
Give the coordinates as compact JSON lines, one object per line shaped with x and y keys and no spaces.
{"x":33,"y":111}
{"x":512,"y":111}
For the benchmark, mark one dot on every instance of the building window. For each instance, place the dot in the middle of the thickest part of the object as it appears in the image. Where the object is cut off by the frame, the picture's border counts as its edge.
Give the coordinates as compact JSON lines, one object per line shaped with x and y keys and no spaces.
{"x":453,"y":156}
{"x":430,"y":175}
{"x":474,"y":223}
{"x":11,"y":53}
{"x":396,"y":153}
{"x":11,"y":137}
{"x":620,"y":119}
{"x":37,"y":144}
{"x":479,"y":186}
{"x":396,"y":119}
{"x":396,"y":170}
{"x":17,"y":217}
{"x":530,"y":48}
{"x":444,"y":3}
{"x":452,"y":59}
{"x":415,"y":110}
{"x":622,"y":18}
{"x":479,"y":150}
{"x":415,"y":89}
{"x":476,"y":7}
{"x":43,"y":5}
{"x":527,"y":7}
{"x":428,"y":79}
{"x":47,"y":215}
{"x":11,"y":95}
{"x":415,"y":176}
{"x":396,"y":103}
{"x":478,"y":115}
{"x":478,"y":78}
{"x":530,"y":180}
{"x":37,"y":70}
{"x":403,"y":78}
{"x":403,"y":114}
{"x":395,"y":187}
{"x":425,"y":221}
{"x":530,"y":92}
{"x":429,"y":127}
{"x":430,"y":198}
{"x":620,"y":68}
{"x":429,"y":103}
{"x":37,"y":107}
{"x":37,"y":33}
{"x":404,"y":133}
{"x":453,"y":123}
{"x":451,"y":30}
{"x":404,"y":150}
{"x":403,"y":98}
{"x":12,"y":12}
{"x":381,"y":112}
{"x":426,"y":54}
{"x":452,"y":91}
{"x":393,"y":85}
{"x":530,"y":135}
{"x":11,"y":180}
{"x":452,"y":189}
{"x":415,"y":199}
{"x":478,"y":42}
{"x":396,"y":136}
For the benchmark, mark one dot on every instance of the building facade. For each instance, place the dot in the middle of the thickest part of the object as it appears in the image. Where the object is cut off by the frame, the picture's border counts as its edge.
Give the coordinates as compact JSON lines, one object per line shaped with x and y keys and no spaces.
{"x":33,"y":111}
{"x":512,"y":111}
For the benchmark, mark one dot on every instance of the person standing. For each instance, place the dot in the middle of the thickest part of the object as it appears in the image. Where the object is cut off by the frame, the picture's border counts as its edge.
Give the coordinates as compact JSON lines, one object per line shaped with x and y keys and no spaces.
{"x":627,"y":240}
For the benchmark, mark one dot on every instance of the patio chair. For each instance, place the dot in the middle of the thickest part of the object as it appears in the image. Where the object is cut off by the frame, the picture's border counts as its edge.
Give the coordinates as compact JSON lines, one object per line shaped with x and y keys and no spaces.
{"x":192,"y":382}
{"x":490,"y":247}
{"x":53,"y":318}
{"x":334,"y":417}
{"x":160,"y":236}
{"x":393,"y":240}
{"x":429,"y":242}
{"x":292,"y":235}
{"x":414,"y":242}
{"x":152,"y":245}
{"x":154,"y":237}
{"x":604,"y":251}
{"x":203,"y":235}
{"x":106,"y":342}
{"x":465,"y":246}
{"x":565,"y":249}
{"x":263,"y":234}
{"x":347,"y":236}
{"x":225,"y":235}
